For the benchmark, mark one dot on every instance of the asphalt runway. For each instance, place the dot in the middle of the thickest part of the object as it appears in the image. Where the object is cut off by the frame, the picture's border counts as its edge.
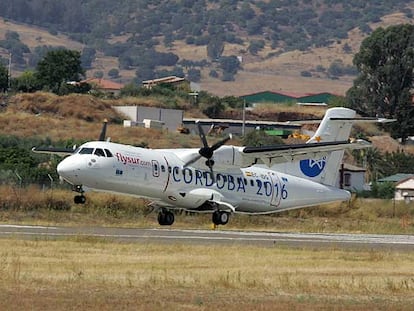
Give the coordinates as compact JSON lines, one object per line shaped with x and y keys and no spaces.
{"x":221,"y":236}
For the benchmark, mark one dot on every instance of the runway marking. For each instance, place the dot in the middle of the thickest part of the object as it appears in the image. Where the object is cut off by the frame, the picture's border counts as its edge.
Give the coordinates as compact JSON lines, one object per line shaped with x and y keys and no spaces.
{"x":204,"y":235}
{"x":27,"y":227}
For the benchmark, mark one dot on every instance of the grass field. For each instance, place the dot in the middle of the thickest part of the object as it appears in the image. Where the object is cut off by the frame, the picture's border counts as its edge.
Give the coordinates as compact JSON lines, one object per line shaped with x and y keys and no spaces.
{"x":92,"y":274}
{"x":89,"y":273}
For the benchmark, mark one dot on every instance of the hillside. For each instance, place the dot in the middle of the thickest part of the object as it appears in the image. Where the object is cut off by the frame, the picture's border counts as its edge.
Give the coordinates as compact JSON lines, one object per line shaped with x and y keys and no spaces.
{"x":315,"y":35}
{"x":77,"y":118}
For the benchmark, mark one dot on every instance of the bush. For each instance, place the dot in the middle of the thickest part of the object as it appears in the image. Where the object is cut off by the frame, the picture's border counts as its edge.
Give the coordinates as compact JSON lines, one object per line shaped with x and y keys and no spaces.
{"x":383,"y":190}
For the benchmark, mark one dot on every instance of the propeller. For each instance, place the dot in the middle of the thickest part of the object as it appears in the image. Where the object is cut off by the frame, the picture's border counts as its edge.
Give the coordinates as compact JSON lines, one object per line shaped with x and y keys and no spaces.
{"x":207,"y":151}
{"x":103,"y":131}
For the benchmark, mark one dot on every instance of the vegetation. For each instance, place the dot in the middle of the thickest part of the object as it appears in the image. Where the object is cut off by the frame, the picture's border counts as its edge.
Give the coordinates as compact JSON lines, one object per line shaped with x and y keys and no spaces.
{"x":384,"y":86}
{"x":85,"y":272}
{"x":381,"y":164}
{"x":58,"y":68}
{"x":4,"y":78}
{"x":133,"y":31}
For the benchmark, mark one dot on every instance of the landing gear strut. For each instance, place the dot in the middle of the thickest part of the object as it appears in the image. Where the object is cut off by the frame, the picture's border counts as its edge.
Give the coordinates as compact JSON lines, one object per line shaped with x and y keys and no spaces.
{"x":80,"y":198}
{"x":165,"y":217}
{"x":221,"y":218}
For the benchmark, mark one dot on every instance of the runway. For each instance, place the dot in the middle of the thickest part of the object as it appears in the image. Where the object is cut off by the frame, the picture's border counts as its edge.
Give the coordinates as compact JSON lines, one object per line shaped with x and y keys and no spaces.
{"x":222,"y":236}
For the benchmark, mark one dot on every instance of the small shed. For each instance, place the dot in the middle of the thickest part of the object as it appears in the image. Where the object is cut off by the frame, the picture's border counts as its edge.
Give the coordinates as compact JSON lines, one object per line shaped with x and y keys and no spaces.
{"x":351,"y":177}
{"x":404,"y":190}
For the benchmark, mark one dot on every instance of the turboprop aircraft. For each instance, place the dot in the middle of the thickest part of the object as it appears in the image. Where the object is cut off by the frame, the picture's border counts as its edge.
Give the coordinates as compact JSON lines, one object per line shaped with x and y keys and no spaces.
{"x":220,"y":179}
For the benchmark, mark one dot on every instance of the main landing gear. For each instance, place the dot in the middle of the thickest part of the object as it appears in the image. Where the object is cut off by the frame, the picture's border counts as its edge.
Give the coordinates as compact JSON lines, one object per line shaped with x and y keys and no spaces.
{"x":80,"y":198}
{"x":221,"y":218}
{"x":165,"y":217}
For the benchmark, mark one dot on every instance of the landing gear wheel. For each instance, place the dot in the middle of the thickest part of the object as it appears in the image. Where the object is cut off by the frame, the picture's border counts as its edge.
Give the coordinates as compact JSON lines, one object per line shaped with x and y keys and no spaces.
{"x":165,"y":218}
{"x":220,"y":218}
{"x":79,"y":199}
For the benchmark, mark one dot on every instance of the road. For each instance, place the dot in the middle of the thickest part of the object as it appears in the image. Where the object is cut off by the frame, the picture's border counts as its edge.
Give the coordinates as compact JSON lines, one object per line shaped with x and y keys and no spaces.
{"x":266,"y":239}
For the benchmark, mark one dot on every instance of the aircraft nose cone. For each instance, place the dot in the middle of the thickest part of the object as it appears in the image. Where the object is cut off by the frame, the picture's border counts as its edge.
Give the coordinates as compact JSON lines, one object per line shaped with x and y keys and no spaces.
{"x":62,"y":168}
{"x":68,"y":169}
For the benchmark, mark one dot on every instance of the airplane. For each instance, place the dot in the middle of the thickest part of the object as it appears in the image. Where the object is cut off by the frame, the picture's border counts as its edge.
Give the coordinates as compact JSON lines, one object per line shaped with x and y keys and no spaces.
{"x":219,"y":179}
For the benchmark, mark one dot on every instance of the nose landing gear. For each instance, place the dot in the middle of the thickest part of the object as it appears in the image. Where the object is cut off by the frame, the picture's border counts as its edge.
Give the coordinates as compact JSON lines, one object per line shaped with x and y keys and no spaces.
{"x":80,"y":198}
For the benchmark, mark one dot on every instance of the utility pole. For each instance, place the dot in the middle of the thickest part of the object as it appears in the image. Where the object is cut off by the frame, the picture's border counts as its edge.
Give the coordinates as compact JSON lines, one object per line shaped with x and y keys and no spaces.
{"x":244,"y":118}
{"x":9,"y":82}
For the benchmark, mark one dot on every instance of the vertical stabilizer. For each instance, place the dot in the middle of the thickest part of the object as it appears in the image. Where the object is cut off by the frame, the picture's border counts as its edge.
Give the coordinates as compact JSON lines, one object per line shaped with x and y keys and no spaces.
{"x":335,"y":126}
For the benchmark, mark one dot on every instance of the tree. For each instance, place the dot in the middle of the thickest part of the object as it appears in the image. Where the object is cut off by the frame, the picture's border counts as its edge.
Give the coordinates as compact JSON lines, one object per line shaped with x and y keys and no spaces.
{"x":215,"y":48}
{"x":260,"y":138}
{"x":26,"y":82}
{"x":230,"y":64}
{"x":59,"y":66}
{"x":383,"y":87}
{"x":4,"y":78}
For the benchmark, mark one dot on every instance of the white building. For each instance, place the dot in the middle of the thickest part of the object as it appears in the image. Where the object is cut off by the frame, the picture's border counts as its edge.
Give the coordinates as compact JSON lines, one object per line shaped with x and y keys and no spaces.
{"x":404,"y":190}
{"x":170,"y":118}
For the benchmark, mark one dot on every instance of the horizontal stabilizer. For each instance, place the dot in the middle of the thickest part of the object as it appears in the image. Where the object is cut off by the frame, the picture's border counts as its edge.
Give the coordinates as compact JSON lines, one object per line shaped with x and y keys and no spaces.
{"x":52,"y":150}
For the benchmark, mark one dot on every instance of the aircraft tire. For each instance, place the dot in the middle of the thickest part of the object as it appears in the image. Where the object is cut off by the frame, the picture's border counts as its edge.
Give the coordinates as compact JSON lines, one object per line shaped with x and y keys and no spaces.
{"x":224,"y":217}
{"x":216,"y":218}
{"x":165,"y":218}
{"x":79,"y":199}
{"x":220,"y":218}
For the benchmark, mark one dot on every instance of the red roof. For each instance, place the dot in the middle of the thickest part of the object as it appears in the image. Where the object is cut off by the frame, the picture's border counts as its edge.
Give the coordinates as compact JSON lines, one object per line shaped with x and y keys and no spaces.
{"x":104,"y":84}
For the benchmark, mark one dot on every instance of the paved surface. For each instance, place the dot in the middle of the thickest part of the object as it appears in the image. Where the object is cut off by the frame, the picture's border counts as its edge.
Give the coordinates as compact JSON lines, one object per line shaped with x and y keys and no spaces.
{"x":265,"y":239}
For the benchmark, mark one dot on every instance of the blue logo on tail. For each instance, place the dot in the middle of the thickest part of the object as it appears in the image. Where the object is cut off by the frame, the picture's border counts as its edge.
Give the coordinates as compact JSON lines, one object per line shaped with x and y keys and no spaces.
{"x":312,"y":168}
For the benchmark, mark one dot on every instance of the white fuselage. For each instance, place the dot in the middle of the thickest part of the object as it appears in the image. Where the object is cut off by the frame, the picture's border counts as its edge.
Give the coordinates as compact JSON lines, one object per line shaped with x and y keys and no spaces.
{"x":161,"y":176}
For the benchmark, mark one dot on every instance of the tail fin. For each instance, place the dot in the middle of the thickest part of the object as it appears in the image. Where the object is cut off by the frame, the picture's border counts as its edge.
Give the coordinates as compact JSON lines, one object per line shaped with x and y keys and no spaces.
{"x":335,"y":126}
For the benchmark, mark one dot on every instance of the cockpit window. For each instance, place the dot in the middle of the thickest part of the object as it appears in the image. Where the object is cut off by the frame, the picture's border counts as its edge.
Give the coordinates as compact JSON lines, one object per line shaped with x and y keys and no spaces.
{"x":108,"y":153}
{"x":99,"y":152}
{"x":86,"y":151}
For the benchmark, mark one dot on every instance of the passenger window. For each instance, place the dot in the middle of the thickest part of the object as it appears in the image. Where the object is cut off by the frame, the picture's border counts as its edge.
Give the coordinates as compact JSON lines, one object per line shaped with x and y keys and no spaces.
{"x":99,"y":152}
{"x":108,"y":153}
{"x":86,"y":151}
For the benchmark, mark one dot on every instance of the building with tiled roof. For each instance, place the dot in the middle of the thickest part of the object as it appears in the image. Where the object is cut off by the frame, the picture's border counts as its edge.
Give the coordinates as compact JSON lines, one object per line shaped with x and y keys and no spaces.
{"x":165,"y":80}
{"x":103,"y":85}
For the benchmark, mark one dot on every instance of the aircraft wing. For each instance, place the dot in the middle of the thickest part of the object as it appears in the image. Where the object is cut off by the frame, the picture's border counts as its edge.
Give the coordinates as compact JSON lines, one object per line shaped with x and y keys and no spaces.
{"x":51,"y":150}
{"x":271,"y":155}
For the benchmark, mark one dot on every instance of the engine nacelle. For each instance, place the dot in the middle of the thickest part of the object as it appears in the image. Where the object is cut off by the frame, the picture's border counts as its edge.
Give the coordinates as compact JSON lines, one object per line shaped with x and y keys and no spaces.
{"x":227,"y":157}
{"x":195,"y":198}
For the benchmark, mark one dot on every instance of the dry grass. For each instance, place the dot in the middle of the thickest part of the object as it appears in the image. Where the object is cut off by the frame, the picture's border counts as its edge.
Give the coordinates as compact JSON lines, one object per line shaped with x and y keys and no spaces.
{"x":89,"y":273}
{"x":82,"y":107}
{"x":33,"y":205}
{"x":34,"y":36}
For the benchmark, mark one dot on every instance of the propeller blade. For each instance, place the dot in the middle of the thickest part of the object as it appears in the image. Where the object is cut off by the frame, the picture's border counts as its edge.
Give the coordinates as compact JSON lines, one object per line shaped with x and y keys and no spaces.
{"x":210,"y":164}
{"x":202,"y":135}
{"x":221,"y":143}
{"x":103,"y":131}
{"x":193,"y":160}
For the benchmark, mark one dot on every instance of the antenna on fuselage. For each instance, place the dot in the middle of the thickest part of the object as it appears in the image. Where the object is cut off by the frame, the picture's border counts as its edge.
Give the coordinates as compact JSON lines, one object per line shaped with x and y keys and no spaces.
{"x":103,"y":131}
